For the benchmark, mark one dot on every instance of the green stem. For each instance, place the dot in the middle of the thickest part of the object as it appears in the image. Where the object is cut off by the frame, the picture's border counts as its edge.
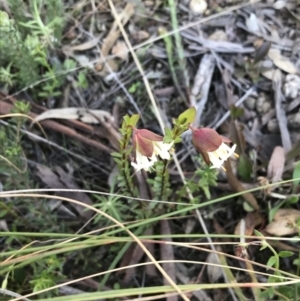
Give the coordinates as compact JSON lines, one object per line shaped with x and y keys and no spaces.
{"x":164,"y":182}
{"x":178,"y":41}
{"x":125,"y":166}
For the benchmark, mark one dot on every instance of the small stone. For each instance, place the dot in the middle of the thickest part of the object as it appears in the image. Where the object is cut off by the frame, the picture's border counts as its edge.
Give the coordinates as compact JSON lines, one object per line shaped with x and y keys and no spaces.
{"x":263,"y":105}
{"x":266,"y":63}
{"x":273,"y":126}
{"x":292,"y":86}
{"x":250,"y":103}
{"x":140,"y":35}
{"x":120,"y":50}
{"x":252,"y":23}
{"x":294,"y":121}
{"x":218,"y":35}
{"x":279,"y":4}
{"x":149,"y":3}
{"x":198,"y":7}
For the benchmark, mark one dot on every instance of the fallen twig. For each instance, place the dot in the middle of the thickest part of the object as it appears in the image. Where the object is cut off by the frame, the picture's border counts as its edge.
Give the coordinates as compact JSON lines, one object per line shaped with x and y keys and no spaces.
{"x":201,"y":85}
{"x":280,"y":114}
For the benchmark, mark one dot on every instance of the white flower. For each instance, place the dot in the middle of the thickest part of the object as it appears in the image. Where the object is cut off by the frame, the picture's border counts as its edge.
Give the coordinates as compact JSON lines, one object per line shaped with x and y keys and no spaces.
{"x":212,"y":146}
{"x":162,"y":149}
{"x":143,"y":162}
{"x":147,"y":147}
{"x":220,"y":155}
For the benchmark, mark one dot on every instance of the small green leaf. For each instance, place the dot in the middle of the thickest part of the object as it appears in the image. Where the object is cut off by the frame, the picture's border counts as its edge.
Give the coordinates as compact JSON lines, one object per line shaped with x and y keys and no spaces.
{"x":236,"y":112}
{"x":257,"y":233}
{"x":293,"y":200}
{"x":187,"y":116}
{"x":244,"y":167}
{"x":167,"y":139}
{"x":3,"y":213}
{"x":296,"y":176}
{"x":134,"y":119}
{"x":267,"y":294}
{"x":273,"y":211}
{"x":115,"y":154}
{"x":285,"y":254}
{"x":247,"y":207}
{"x":134,"y":88}
{"x":126,"y":120}
{"x":168,"y":131}
{"x":296,"y":261}
{"x":272,"y":279}
{"x":119,"y":162}
{"x":4,"y":283}
{"x":271,"y":262}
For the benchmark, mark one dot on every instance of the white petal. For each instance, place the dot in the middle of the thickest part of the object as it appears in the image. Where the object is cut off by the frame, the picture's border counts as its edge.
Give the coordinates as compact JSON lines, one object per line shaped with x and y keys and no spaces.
{"x":162,"y":149}
{"x":220,"y":155}
{"x":142,"y":162}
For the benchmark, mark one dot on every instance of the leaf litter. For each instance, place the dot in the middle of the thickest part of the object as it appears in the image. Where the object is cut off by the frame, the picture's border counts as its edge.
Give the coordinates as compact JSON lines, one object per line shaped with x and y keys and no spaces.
{"x":223,"y":58}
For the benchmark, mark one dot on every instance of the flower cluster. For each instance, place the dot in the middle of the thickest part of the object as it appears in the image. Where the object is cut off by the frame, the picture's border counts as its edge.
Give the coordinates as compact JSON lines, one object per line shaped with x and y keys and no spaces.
{"x":148,"y":146}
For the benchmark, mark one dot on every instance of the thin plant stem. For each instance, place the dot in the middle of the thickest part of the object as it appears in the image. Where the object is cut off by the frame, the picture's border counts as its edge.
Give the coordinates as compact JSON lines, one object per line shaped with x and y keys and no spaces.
{"x":125,"y":166}
{"x":164,"y":182}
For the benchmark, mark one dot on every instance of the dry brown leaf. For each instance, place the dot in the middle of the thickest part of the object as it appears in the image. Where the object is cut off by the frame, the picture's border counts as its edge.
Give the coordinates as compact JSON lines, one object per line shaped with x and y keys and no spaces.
{"x":120,"y":50}
{"x":150,"y":268}
{"x":83,"y":61}
{"x":269,"y":74}
{"x":67,"y":180}
{"x":284,"y":222}
{"x":238,"y":187}
{"x":280,"y":112}
{"x":48,"y":177}
{"x":251,"y":220}
{"x":261,"y":51}
{"x":3,"y":225}
{"x":276,"y":164}
{"x":214,"y":272}
{"x":84,"y":115}
{"x":140,"y":35}
{"x":282,"y":62}
{"x":64,"y":181}
{"x":189,"y":226}
{"x":136,"y":253}
{"x":113,"y":36}
{"x":82,"y":47}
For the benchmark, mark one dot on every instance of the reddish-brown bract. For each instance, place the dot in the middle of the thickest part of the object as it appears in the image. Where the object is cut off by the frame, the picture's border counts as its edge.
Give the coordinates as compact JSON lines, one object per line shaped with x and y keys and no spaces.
{"x":207,"y":140}
{"x":143,"y":141}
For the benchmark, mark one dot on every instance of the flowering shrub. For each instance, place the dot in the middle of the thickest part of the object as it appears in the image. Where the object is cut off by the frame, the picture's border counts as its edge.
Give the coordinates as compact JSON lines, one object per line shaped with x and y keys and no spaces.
{"x":152,"y":152}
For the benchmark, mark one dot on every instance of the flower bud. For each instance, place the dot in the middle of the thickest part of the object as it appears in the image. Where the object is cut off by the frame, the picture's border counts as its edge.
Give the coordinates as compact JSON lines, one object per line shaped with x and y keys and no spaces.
{"x":212,"y":146}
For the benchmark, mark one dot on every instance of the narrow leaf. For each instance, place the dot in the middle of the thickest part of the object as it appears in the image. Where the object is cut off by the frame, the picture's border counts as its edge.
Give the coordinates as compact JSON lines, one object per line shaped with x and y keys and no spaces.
{"x":271,"y":262}
{"x":261,"y":51}
{"x":296,"y":177}
{"x":285,"y":254}
{"x":187,"y":116}
{"x":134,"y":119}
